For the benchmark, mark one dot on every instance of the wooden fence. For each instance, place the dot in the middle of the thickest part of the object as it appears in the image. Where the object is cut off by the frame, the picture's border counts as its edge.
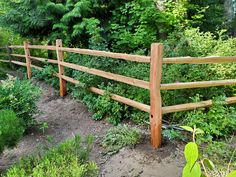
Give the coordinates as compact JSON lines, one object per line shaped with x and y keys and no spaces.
{"x":156,"y":61}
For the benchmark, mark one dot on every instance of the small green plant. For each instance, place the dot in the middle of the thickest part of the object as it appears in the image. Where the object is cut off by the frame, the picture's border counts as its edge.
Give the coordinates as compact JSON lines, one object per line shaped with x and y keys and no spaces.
{"x":43,"y":126}
{"x":19,"y":96}
{"x":193,"y":164}
{"x":70,"y":158}
{"x":119,"y":137}
{"x":11,"y":129}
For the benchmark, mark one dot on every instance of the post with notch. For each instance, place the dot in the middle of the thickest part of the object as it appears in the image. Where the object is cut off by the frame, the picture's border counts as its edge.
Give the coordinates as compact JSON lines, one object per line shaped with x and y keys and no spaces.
{"x":27,"y":58}
{"x":155,"y":94}
{"x":60,"y":58}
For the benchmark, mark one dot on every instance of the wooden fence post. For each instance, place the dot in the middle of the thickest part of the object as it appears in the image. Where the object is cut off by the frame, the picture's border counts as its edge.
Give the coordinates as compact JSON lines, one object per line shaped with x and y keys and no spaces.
{"x":60,"y":58}
{"x":28,"y":61}
{"x":9,"y":52}
{"x":155,"y":94}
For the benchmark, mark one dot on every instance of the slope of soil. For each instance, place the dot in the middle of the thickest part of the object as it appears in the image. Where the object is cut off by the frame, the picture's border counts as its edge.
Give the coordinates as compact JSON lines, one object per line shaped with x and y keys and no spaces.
{"x":67,"y":117}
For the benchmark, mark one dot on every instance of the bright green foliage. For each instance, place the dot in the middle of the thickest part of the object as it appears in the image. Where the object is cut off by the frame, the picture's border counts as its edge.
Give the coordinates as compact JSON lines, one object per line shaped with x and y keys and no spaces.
{"x":11,"y":129}
{"x":219,"y":121}
{"x":21,"y":97}
{"x":69,"y":158}
{"x":119,"y":137}
{"x":193,"y":163}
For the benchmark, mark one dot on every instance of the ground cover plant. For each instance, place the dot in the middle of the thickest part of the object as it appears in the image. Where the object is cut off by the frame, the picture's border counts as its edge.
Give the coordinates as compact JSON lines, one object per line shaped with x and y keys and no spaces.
{"x":11,"y":129}
{"x":69,"y":158}
{"x":119,"y":137}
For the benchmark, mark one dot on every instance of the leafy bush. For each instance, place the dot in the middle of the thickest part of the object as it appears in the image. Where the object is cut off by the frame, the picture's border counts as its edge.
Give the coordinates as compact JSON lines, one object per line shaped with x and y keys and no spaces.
{"x":47,"y":74}
{"x":19,"y":96}
{"x":218,"y":121}
{"x":11,"y":129}
{"x":69,"y":158}
{"x":119,"y":137}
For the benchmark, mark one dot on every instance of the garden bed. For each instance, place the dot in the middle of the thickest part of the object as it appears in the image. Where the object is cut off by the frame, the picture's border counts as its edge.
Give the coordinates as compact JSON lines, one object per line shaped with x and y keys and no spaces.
{"x":66,"y":118}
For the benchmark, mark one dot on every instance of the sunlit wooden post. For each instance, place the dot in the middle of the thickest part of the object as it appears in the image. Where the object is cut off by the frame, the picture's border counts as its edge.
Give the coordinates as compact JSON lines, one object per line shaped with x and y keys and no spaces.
{"x":27,"y":58}
{"x":155,"y":94}
{"x":60,"y":58}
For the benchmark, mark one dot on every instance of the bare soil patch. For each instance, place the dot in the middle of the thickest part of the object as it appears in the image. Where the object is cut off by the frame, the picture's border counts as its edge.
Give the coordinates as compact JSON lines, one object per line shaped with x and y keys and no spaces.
{"x":67,"y":117}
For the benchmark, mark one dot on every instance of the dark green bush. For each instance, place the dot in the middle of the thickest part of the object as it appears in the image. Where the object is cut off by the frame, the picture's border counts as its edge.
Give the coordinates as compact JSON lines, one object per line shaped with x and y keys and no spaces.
{"x":69,"y":158}
{"x":19,"y":96}
{"x":11,"y":129}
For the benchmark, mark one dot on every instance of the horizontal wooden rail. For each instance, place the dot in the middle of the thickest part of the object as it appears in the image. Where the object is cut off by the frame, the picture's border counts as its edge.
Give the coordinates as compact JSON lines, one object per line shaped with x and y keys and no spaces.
{"x":135,"y":104}
{"x":3,"y":54}
{"x":201,"y":84}
{"x":5,"y":61}
{"x":44,"y":59}
{"x":18,"y":55}
{"x":36,"y":67}
{"x":24,"y":64}
{"x":16,"y":46}
{"x":137,"y":58}
{"x":108,"y":75}
{"x":45,"y":47}
{"x":18,"y":63}
{"x":198,"y":60}
{"x":191,"y":106}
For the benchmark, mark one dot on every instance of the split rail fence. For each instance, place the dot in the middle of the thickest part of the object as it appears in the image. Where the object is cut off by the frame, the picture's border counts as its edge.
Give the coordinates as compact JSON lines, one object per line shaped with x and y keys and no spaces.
{"x":156,"y":61}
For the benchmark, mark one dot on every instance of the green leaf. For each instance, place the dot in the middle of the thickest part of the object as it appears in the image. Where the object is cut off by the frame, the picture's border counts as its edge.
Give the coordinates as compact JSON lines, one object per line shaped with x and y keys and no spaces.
{"x":187,"y":128}
{"x":191,"y":153}
{"x":232,"y":174}
{"x":195,"y":171}
{"x":199,"y":131}
{"x":209,"y":164}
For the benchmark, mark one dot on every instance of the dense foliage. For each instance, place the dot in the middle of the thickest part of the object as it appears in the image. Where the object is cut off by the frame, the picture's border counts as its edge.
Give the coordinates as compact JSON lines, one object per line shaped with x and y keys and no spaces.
{"x":11,"y":129}
{"x":19,"y":96}
{"x":70,"y":158}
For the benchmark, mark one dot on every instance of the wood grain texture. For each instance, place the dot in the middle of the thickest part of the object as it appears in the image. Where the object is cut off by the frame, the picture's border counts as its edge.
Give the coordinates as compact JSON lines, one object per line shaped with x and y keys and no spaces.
{"x":60,"y":58}
{"x":192,"y":106}
{"x":198,"y":60}
{"x":27,"y":58}
{"x":200,"y":84}
{"x":155,"y":94}
{"x":16,"y":46}
{"x":129,"y":57}
{"x":18,"y":63}
{"x":44,"y":60}
{"x":108,"y":75}
{"x":44,"y":47}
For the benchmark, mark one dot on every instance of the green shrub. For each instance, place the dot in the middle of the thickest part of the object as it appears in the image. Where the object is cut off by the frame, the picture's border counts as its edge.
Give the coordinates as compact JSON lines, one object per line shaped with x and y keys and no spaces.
{"x":69,"y":158}
{"x":119,"y":137}
{"x":19,"y":96}
{"x":219,"y":121}
{"x":47,"y":74}
{"x":11,"y":129}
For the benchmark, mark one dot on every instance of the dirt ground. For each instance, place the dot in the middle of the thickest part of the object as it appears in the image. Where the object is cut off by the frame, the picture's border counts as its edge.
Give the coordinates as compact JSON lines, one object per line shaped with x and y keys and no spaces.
{"x":67,"y":117}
